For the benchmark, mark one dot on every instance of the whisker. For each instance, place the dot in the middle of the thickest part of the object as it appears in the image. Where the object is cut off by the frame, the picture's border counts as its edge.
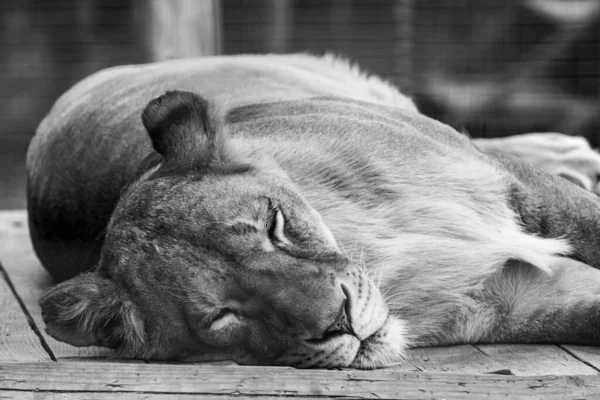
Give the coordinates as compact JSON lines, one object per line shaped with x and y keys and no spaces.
{"x":389,"y":300}
{"x":380,"y":279}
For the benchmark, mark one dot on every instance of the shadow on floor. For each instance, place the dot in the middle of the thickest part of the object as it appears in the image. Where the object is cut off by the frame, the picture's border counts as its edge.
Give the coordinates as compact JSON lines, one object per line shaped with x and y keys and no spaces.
{"x":12,"y":171}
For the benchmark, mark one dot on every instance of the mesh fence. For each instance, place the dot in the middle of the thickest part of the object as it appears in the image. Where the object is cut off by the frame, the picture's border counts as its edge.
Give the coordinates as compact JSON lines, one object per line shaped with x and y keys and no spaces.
{"x":490,"y":67}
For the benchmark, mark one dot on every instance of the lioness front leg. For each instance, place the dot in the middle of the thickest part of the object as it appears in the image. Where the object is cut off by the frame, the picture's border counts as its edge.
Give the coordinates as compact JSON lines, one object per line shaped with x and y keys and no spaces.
{"x":521,"y":304}
{"x":530,"y":306}
{"x":518,"y":303}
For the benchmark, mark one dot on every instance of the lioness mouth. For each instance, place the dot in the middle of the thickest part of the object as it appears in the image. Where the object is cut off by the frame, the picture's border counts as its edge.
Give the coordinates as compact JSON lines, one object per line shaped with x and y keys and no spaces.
{"x":381,"y":348}
{"x":327,"y":337}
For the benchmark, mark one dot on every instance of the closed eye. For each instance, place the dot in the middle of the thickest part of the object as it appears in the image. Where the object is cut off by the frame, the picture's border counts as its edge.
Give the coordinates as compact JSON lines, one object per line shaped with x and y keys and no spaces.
{"x":276,"y":227}
{"x":242,"y":228}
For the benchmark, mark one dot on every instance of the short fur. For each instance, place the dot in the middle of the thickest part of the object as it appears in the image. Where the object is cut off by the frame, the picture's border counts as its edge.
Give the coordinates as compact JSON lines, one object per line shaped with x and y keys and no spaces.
{"x":317,"y":221}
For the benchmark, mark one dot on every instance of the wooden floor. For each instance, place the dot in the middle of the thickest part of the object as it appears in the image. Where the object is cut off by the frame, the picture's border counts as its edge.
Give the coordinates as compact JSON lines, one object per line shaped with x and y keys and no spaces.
{"x":33,"y":365}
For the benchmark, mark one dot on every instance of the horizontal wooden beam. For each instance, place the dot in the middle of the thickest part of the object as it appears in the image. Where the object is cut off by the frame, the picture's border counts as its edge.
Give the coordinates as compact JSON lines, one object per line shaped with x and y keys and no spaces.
{"x":284,"y":381}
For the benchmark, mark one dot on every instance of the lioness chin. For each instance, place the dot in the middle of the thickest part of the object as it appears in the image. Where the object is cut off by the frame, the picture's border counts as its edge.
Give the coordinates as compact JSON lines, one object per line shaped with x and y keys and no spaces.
{"x":291,"y":210}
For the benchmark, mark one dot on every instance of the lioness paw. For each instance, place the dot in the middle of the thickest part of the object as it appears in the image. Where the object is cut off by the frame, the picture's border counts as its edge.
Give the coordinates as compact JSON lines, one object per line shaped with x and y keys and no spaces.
{"x":566,"y":156}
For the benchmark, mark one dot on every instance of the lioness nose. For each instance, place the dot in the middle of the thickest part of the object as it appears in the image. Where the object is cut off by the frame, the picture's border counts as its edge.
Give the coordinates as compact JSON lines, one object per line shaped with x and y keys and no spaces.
{"x":342,"y":323}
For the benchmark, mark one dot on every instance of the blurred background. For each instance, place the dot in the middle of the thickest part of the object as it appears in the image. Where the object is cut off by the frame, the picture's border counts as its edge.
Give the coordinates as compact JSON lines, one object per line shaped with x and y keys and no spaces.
{"x":489,"y":67}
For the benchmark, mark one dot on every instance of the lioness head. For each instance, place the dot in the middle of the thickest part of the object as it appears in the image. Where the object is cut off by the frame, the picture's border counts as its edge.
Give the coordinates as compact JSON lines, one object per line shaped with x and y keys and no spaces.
{"x":211,"y":255}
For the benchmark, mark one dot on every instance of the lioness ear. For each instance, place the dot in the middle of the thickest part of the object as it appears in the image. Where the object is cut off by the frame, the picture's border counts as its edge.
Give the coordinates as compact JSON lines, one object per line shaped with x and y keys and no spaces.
{"x":184,"y":128}
{"x":89,"y":310}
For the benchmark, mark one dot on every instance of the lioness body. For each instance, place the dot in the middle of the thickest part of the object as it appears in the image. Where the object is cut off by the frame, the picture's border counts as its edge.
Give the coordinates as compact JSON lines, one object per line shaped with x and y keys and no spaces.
{"x":455,"y":240}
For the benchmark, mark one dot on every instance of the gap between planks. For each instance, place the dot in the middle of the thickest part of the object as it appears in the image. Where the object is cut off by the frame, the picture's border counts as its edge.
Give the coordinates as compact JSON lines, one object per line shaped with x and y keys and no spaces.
{"x":19,"y":339}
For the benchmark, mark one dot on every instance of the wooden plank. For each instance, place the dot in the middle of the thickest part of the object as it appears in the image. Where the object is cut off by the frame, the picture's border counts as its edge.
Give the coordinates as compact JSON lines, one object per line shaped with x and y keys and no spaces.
{"x":524,"y":359}
{"x":460,"y":359}
{"x":30,"y":279}
{"x":587,"y":354}
{"x":520,"y":360}
{"x":273,"y":381}
{"x":18,"y":341}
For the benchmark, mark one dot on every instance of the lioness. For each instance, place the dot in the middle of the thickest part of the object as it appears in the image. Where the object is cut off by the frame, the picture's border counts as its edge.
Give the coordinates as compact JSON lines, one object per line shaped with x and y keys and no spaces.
{"x":291,"y":210}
